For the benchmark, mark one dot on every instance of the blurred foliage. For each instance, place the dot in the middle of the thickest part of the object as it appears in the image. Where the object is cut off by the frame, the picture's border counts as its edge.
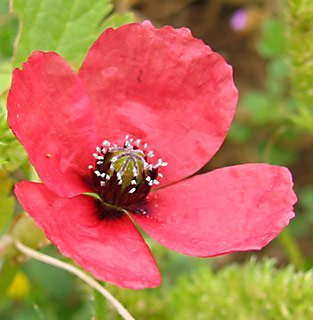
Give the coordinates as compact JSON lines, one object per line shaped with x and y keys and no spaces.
{"x":7,"y":202}
{"x":8,"y":30}
{"x":252,"y":291}
{"x":67,"y":27}
{"x":8,"y":269}
{"x":255,"y":290}
{"x":20,"y":287}
{"x":299,"y":27}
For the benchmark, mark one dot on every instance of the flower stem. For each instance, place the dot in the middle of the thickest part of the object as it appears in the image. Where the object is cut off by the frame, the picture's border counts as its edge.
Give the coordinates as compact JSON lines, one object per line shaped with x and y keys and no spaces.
{"x":84,"y":277}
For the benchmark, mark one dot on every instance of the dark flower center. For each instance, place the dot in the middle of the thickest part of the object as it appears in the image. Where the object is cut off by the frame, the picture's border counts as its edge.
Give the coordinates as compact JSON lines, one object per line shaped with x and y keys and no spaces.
{"x":123,"y":176}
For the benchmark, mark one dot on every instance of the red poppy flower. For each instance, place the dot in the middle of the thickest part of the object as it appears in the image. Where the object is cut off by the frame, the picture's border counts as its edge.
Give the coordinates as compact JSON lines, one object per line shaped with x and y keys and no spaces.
{"x":169,"y":93}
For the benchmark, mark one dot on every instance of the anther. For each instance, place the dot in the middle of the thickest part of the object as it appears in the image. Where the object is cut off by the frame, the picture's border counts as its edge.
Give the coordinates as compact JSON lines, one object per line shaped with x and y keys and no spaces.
{"x":156,"y":181}
{"x":95,"y":155}
{"x":133,"y":182}
{"x":160,"y":175}
{"x":150,"y":154}
{"x":98,"y":149}
{"x":132,"y":190}
{"x":145,"y":146}
{"x":138,"y":142}
{"x":135,"y":172}
{"x":160,"y":164}
{"x":97,"y":173}
{"x":127,"y":137}
{"x":106,"y":143}
{"x":102,"y":183}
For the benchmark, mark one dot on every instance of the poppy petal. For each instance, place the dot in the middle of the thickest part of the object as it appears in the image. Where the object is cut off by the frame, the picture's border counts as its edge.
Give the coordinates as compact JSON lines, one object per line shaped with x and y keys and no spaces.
{"x":236,"y":208}
{"x":49,"y":112}
{"x":112,"y":250}
{"x":164,"y":87}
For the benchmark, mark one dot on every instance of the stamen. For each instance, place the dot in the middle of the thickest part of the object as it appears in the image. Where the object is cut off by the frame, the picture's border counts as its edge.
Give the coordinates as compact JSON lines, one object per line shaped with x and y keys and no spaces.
{"x":160,"y":164}
{"x":122,"y":175}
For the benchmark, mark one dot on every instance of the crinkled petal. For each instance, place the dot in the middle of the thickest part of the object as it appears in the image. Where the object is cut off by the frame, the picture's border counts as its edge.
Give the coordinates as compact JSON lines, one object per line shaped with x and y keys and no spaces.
{"x":164,"y":87}
{"x":112,"y":250}
{"x":49,"y":112}
{"x":236,"y":208}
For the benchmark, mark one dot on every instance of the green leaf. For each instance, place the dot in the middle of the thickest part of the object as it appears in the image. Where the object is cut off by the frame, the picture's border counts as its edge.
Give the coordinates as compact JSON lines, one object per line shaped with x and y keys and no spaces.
{"x":7,"y":203}
{"x":12,"y":154}
{"x":67,"y":27}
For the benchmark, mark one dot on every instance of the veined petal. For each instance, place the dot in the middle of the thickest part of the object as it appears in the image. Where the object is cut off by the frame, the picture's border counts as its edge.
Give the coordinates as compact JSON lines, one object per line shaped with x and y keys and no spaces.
{"x":164,"y":87}
{"x":49,"y":112}
{"x":112,"y":251}
{"x":236,"y":208}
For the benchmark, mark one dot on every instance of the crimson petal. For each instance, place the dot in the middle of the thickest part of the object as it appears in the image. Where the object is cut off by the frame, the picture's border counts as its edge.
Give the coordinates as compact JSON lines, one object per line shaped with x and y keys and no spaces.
{"x":164,"y":87}
{"x":112,"y":251}
{"x":49,"y":112}
{"x":236,"y":208}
